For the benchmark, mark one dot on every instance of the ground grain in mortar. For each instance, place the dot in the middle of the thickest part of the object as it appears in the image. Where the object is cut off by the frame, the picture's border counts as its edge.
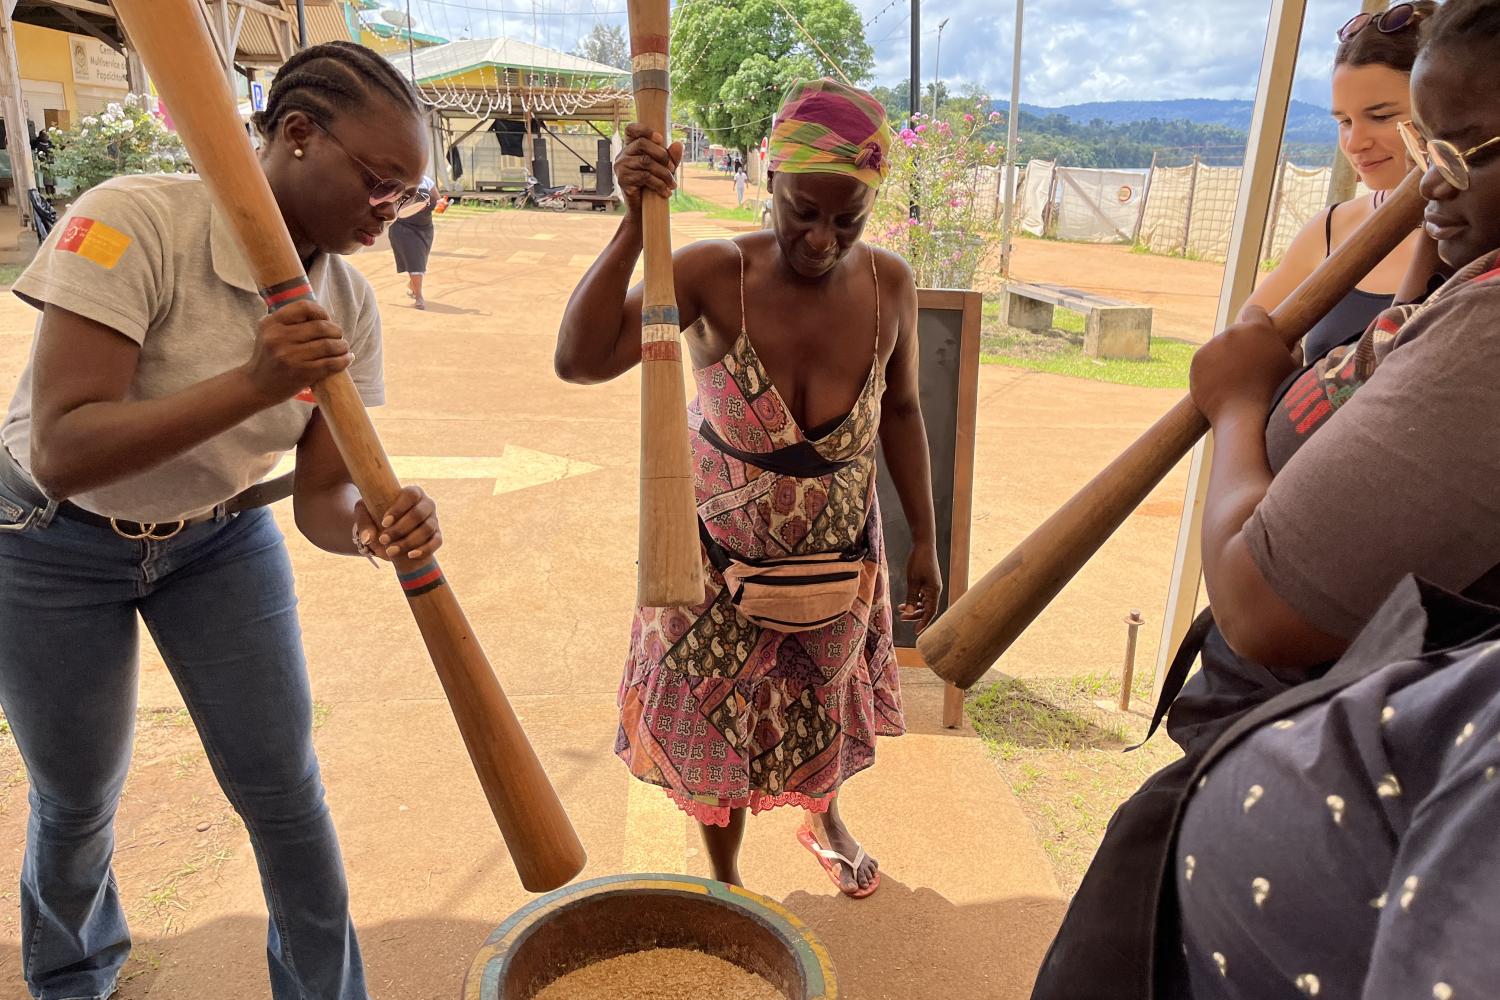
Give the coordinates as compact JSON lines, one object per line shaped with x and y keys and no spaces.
{"x":662,"y":974}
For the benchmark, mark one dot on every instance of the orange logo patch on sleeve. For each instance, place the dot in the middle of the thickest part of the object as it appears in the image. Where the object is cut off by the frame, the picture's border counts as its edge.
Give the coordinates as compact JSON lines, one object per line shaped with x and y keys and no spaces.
{"x":93,"y":240}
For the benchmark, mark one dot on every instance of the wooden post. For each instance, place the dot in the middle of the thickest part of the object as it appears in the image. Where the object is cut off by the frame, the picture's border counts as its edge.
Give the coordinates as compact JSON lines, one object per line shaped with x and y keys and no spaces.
{"x":1272,"y":97}
{"x":1187,"y":226}
{"x":1140,"y":217}
{"x":1273,"y":224}
{"x":18,"y":139}
{"x":528,"y":145}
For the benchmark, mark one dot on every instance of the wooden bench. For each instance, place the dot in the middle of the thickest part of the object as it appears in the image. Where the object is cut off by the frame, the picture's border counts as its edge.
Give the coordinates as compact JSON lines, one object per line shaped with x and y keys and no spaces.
{"x":1112,"y":329}
{"x":511,"y":180}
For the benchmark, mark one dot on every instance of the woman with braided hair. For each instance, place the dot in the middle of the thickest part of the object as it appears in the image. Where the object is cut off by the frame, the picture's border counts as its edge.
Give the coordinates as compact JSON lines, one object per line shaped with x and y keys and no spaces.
{"x":158,"y":395}
{"x":804,"y":347}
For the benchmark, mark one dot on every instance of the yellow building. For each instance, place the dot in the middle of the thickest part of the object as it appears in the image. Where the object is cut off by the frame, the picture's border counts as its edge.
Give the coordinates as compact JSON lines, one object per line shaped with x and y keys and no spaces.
{"x":66,"y":76}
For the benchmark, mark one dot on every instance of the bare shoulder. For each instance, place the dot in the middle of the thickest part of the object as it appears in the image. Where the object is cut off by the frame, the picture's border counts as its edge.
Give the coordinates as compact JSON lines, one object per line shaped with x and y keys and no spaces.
{"x":898,"y":283}
{"x":893,"y":268}
{"x":1349,"y":217}
{"x":703,"y":269}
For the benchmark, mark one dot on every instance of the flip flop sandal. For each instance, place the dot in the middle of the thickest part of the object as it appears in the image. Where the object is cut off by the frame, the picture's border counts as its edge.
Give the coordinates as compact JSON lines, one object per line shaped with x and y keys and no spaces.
{"x":830,"y":861}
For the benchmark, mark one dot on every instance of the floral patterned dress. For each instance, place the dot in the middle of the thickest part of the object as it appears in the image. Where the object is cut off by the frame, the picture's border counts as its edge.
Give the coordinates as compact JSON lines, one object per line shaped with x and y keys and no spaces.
{"x":724,"y":714}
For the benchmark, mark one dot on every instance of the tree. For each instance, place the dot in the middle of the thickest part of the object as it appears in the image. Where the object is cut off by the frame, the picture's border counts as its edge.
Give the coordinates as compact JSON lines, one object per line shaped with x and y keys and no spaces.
{"x":897,"y":100}
{"x":605,"y":44}
{"x":943,"y":93}
{"x":733,"y":60}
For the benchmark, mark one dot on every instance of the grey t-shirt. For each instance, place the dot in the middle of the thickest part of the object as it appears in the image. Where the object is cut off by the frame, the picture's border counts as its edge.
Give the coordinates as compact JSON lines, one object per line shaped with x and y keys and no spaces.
{"x":1404,"y":478}
{"x":150,"y":257}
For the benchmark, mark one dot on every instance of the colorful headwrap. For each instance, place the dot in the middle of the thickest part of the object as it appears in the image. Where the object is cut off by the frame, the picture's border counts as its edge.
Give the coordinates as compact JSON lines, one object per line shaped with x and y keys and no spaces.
{"x":826,"y":127}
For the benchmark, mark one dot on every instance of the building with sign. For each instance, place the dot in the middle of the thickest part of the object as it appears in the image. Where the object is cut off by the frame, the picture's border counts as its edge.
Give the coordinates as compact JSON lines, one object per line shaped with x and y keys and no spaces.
{"x":66,"y":76}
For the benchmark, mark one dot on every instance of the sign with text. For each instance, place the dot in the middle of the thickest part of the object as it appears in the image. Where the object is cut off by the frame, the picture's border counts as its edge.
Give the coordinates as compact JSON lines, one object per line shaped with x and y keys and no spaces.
{"x":95,"y":62}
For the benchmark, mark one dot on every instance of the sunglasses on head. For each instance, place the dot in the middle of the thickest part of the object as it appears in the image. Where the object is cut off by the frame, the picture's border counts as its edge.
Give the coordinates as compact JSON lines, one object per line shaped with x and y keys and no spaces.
{"x":1387,"y":22}
{"x":383,"y":190}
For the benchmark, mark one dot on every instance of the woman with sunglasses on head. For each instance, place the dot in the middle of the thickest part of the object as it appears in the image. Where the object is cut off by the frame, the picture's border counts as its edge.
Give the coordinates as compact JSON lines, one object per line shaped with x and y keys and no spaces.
{"x":158,"y":395}
{"x":1371,"y":94}
{"x":1376,"y":464}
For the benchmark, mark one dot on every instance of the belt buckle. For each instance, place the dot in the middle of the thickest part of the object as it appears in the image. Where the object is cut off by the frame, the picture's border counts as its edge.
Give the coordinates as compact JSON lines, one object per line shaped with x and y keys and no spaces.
{"x":149,"y":534}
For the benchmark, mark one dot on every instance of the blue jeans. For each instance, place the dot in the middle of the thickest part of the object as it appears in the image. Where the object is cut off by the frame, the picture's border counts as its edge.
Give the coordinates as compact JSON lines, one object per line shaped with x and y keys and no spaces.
{"x":219,"y":603}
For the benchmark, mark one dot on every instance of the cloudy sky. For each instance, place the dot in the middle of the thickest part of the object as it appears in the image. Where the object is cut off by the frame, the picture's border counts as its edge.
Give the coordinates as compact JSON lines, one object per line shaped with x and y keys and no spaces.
{"x":1074,"y":50}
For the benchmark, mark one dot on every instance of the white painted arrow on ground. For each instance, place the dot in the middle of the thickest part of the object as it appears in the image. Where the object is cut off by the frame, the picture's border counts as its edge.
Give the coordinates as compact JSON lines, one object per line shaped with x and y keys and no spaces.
{"x":514,"y":469}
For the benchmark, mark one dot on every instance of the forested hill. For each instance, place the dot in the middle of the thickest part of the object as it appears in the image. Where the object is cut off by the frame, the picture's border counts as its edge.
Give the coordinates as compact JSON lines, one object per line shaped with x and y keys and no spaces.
{"x":1127,"y":133}
{"x":1060,"y":134}
{"x":1306,"y":123}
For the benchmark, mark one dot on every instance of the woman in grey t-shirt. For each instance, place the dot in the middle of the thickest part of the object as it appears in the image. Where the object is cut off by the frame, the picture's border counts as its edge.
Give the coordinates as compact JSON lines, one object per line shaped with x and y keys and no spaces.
{"x":158,"y":396}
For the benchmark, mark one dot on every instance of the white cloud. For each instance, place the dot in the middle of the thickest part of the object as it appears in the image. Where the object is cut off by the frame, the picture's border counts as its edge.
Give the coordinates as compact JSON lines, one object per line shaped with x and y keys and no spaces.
{"x":1101,"y":50}
{"x":1074,"y":50}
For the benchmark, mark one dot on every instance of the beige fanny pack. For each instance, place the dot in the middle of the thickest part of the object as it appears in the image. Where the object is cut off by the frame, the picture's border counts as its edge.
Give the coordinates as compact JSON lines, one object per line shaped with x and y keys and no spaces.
{"x":793,"y":593}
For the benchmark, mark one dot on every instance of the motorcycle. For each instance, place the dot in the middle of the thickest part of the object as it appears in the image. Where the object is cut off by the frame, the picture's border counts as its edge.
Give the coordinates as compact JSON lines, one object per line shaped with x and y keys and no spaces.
{"x":555,"y":197}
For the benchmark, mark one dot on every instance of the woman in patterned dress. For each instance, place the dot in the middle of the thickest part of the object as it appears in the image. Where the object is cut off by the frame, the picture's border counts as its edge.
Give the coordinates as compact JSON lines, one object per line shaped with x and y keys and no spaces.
{"x":803,"y":342}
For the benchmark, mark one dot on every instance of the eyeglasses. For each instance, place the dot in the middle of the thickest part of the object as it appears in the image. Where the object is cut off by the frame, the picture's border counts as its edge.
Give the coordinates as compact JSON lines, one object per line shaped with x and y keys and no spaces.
{"x":1450,"y":162}
{"x":382,"y":190}
{"x":1389,"y":21}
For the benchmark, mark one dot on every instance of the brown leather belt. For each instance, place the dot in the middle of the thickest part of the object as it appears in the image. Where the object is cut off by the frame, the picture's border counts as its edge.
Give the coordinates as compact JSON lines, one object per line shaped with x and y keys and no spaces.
{"x":259,"y":495}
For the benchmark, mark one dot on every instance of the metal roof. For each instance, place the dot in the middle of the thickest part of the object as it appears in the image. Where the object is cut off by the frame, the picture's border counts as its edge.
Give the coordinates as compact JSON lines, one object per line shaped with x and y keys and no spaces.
{"x":439,"y":61}
{"x":326,"y":22}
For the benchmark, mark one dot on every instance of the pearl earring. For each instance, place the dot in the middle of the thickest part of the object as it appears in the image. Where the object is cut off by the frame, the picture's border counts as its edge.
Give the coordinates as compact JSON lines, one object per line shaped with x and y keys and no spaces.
{"x":297,"y":153}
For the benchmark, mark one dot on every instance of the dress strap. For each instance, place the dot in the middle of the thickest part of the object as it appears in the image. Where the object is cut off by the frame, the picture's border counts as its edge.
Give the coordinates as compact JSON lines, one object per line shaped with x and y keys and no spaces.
{"x":741,"y":251}
{"x":875,"y":272}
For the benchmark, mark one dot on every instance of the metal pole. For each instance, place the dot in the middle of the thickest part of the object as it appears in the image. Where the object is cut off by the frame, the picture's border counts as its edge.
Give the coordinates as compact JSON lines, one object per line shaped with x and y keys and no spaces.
{"x":916,"y":57}
{"x":301,"y":25}
{"x":411,"y":52}
{"x":937,"y":67}
{"x":1127,"y":680}
{"x":913,"y":209}
{"x":1010,"y":147}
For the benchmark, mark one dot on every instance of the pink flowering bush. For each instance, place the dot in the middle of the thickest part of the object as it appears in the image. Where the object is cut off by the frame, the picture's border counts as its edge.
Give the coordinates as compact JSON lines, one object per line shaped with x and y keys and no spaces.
{"x":939,"y":166}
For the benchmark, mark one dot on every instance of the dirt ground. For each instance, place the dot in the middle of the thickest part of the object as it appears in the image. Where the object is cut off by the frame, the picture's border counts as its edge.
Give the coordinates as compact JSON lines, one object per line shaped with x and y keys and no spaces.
{"x":1183,"y":294}
{"x":537,"y":482}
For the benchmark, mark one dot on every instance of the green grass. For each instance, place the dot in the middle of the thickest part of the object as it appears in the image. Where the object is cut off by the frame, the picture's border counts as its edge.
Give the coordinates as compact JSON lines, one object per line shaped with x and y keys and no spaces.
{"x":1060,"y":352}
{"x":1063,"y":757}
{"x":1167,"y":368}
{"x":744,"y":213}
{"x":9,"y":273}
{"x":684,"y":202}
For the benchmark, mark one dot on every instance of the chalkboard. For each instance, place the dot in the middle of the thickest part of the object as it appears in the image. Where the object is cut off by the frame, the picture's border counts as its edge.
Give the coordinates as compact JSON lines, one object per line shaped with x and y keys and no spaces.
{"x":948,"y":336}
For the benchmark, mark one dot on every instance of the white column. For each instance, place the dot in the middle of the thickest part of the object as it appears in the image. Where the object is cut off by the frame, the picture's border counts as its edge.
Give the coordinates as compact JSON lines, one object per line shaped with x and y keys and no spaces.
{"x":1273,"y":94}
{"x":18,"y":141}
